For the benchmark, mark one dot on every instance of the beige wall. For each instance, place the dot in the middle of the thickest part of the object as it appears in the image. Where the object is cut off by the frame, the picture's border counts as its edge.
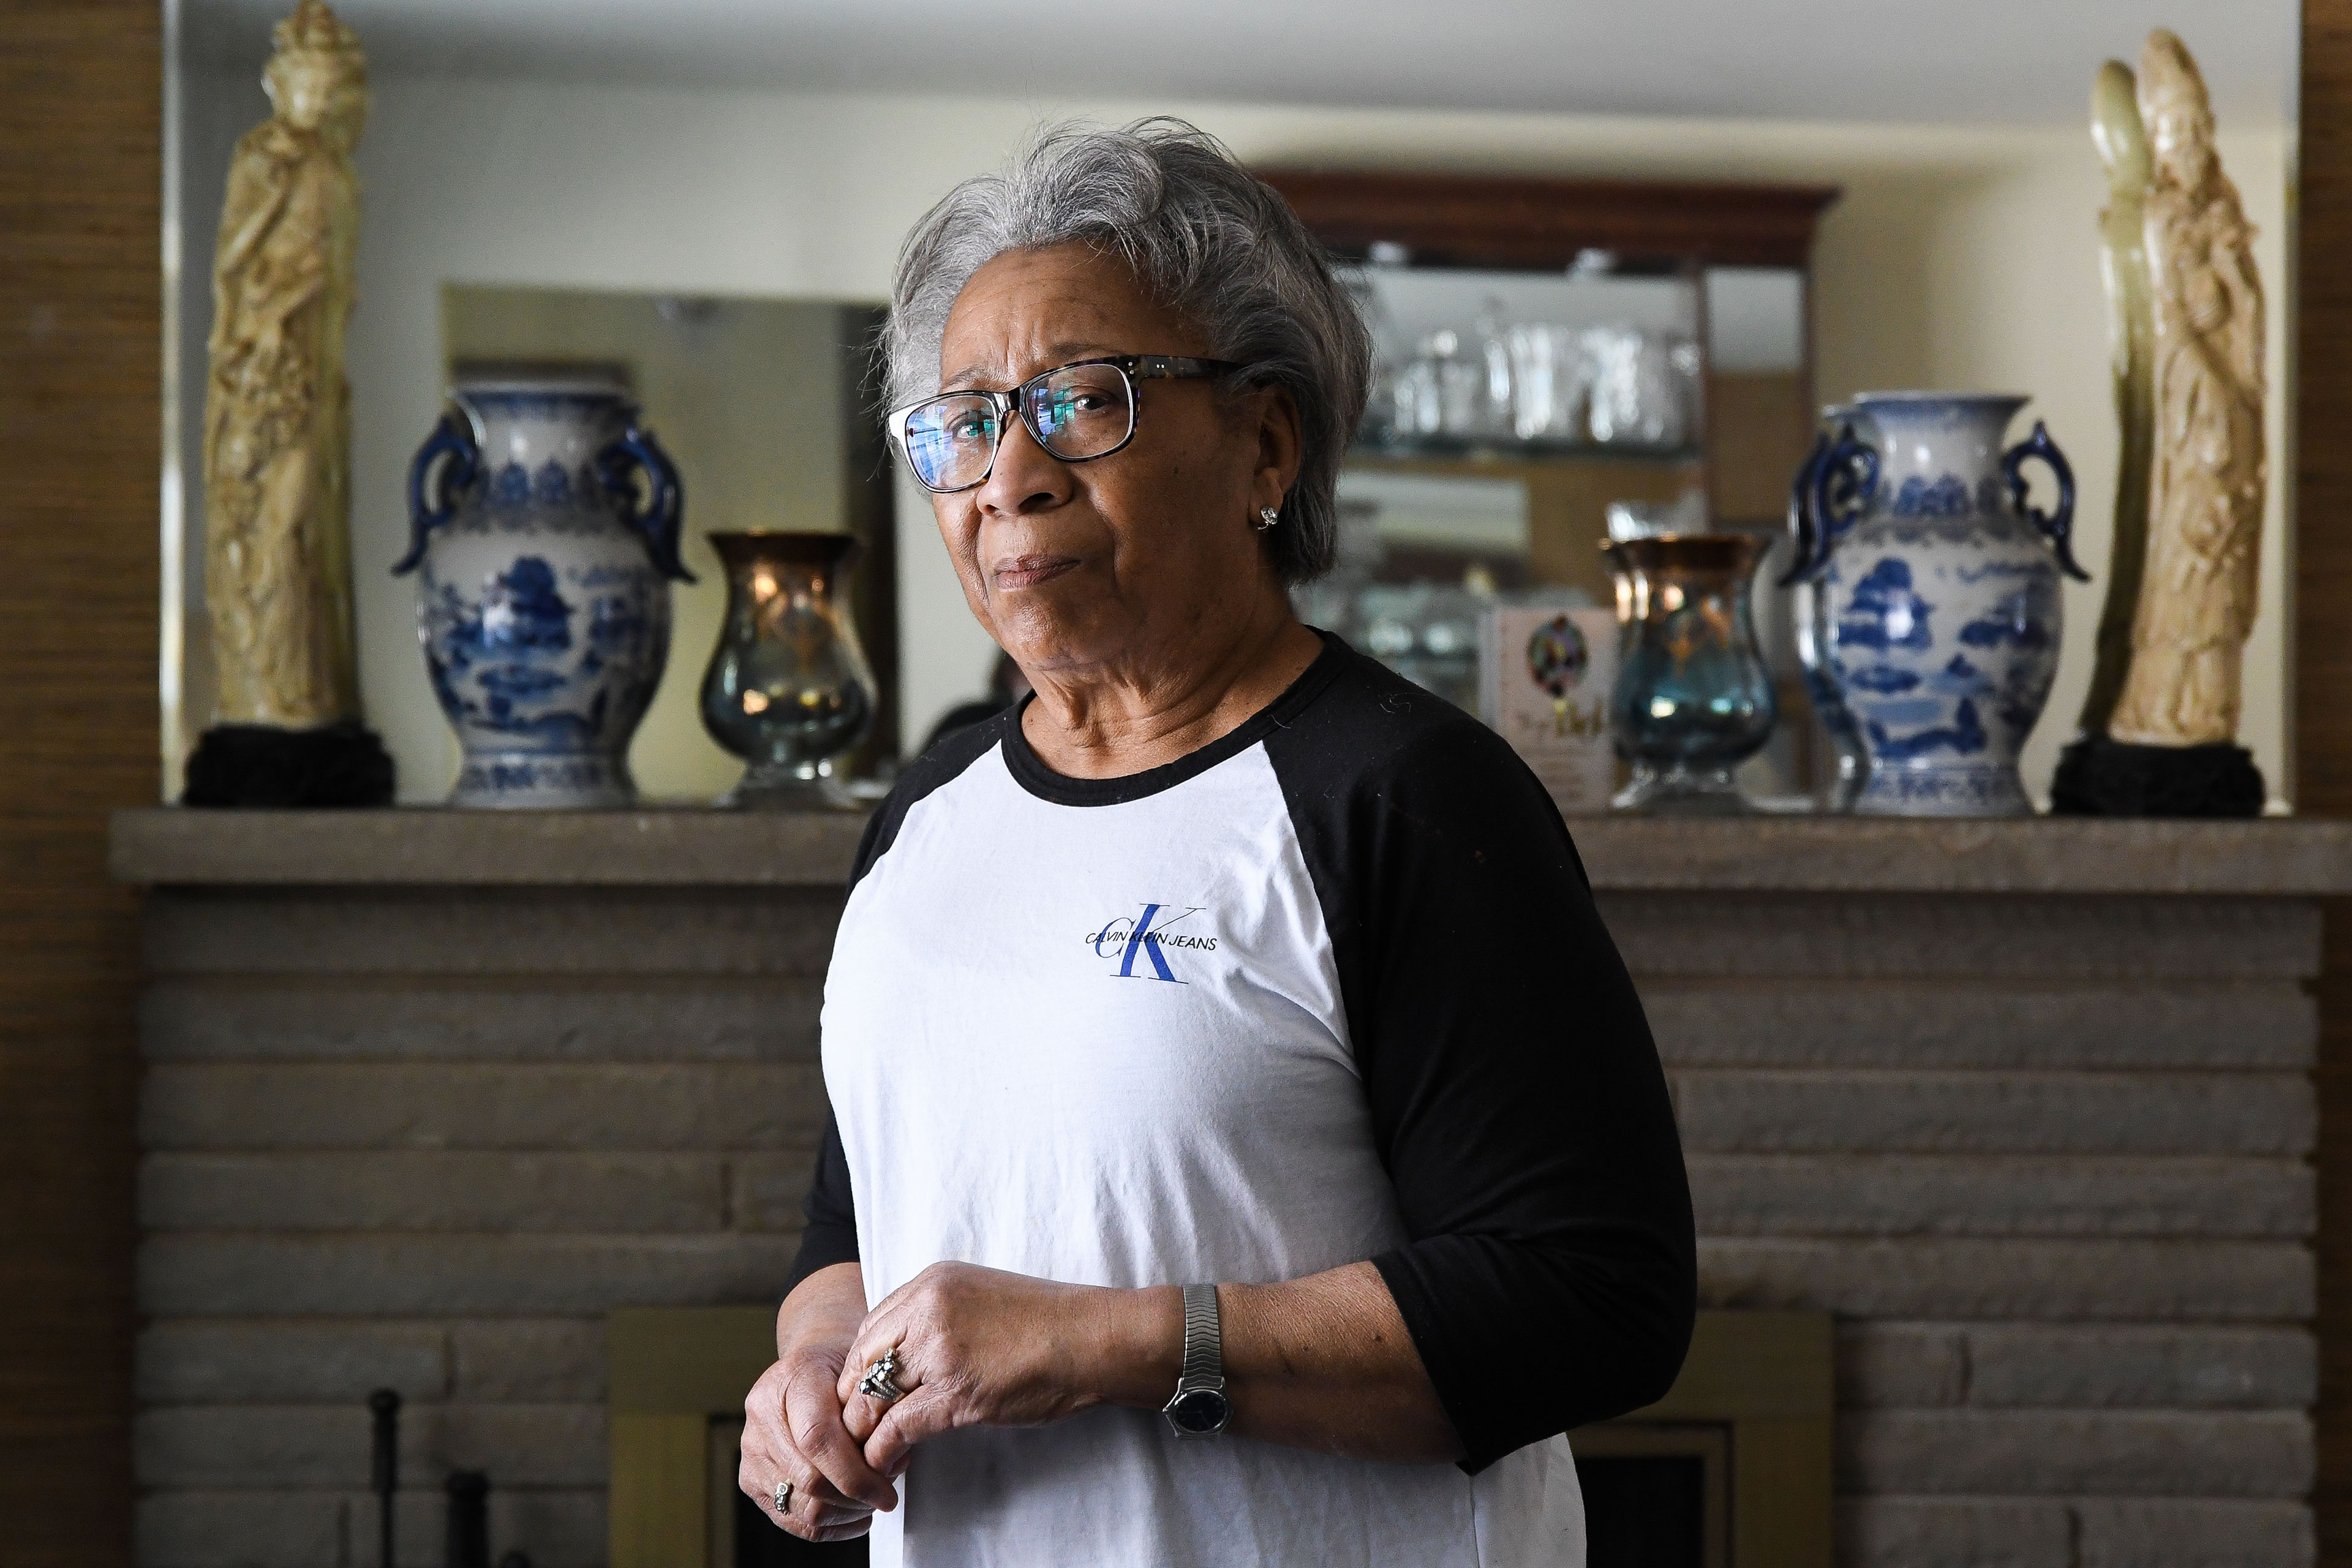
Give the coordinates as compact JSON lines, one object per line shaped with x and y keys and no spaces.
{"x":1959,"y":259}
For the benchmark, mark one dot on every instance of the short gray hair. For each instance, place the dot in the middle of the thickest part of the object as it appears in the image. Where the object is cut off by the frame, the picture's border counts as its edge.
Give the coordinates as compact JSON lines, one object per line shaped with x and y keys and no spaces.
{"x":1210,"y":240}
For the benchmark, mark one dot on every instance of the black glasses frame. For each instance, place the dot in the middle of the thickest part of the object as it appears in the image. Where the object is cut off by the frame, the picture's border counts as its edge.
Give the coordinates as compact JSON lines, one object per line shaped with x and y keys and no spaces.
{"x":1131,"y":368}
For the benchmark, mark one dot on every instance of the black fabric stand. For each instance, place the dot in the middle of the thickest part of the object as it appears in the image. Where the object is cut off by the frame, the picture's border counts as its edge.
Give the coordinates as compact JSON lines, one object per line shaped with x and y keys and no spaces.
{"x":2100,"y":777}
{"x":261,"y":765}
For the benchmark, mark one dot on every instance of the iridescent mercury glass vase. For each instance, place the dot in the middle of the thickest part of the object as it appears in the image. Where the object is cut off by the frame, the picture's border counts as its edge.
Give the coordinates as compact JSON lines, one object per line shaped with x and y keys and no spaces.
{"x":788,"y":689}
{"x":1692,"y":699}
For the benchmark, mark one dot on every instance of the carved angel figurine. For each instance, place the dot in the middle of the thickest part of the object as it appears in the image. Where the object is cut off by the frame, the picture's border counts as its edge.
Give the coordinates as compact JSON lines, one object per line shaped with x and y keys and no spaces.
{"x":278,"y":410}
{"x":2205,"y":503}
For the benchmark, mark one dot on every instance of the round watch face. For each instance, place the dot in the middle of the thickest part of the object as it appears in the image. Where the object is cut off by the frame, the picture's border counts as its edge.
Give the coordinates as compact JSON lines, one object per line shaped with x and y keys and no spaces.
{"x":1200,"y":1412}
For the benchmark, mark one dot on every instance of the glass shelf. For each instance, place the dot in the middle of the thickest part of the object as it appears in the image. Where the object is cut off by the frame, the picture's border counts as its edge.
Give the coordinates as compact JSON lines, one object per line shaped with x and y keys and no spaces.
{"x":1513,"y":451}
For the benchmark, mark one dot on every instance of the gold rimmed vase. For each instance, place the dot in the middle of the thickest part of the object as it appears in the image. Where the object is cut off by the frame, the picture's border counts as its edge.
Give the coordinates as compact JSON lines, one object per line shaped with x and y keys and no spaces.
{"x":788,"y":689}
{"x":1692,"y":699}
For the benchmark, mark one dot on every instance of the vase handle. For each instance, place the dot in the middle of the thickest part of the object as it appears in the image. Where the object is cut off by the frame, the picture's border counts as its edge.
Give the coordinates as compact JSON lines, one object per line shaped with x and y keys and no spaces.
{"x":659,"y":521}
{"x":2058,"y":526}
{"x":432,"y":493}
{"x":1804,"y":529}
{"x":1837,"y":493}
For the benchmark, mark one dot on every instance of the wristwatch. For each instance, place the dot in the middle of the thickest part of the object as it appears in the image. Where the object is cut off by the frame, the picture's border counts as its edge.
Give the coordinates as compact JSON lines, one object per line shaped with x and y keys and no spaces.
{"x":1200,"y":1408}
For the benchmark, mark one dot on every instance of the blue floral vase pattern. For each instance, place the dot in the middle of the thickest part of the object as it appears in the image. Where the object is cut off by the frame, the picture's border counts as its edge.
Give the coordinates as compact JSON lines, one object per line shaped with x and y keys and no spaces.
{"x":1935,"y":596}
{"x":543,"y":586}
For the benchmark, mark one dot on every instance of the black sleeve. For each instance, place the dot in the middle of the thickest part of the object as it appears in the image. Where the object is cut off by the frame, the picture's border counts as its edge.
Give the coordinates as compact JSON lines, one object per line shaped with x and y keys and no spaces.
{"x":1517,"y":1097}
{"x":832,"y":1233}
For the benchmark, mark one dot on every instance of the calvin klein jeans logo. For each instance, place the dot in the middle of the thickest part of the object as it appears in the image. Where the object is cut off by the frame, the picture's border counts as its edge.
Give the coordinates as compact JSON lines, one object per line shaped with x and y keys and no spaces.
{"x":1149,"y":936}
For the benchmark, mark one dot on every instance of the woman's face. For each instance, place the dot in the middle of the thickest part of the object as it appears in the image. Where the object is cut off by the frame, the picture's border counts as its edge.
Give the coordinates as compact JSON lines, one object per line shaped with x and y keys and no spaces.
{"x":1144,"y":556}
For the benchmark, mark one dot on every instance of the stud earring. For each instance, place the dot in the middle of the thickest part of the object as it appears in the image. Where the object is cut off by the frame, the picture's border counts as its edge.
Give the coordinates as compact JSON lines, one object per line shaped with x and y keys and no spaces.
{"x":1266,"y":518}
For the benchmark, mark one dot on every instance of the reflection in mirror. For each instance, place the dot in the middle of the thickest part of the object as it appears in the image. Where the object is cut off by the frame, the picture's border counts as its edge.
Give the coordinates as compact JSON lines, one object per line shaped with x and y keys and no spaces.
{"x":1519,"y":418}
{"x":764,"y":406}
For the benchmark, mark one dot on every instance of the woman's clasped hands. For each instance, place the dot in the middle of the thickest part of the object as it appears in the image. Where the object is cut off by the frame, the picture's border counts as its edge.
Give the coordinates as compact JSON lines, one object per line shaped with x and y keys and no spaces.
{"x":974,"y":1347}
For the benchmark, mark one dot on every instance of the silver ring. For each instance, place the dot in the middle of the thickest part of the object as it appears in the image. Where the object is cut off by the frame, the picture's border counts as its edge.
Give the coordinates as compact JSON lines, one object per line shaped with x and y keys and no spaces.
{"x":783,"y":1497}
{"x":880,"y":1382}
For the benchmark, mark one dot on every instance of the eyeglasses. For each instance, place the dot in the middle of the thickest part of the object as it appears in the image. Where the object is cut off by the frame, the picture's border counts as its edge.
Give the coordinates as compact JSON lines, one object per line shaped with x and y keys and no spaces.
{"x":1077,"y":413}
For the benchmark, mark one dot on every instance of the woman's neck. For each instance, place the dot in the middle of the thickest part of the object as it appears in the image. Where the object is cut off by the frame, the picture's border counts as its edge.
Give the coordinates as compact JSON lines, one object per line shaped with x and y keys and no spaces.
{"x":1131,"y":714}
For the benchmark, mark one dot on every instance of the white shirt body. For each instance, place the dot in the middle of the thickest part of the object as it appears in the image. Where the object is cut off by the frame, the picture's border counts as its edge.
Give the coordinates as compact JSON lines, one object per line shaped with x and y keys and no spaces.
{"x":1024,"y":1081}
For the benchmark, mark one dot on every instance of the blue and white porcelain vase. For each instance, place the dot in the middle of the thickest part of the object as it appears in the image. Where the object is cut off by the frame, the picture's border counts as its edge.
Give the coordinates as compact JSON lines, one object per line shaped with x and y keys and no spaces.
{"x":543,"y":586}
{"x":1938,"y":590}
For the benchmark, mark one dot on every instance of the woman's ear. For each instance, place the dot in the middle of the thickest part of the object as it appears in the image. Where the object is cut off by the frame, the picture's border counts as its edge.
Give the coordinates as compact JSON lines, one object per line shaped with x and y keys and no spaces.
{"x":1279,"y":447}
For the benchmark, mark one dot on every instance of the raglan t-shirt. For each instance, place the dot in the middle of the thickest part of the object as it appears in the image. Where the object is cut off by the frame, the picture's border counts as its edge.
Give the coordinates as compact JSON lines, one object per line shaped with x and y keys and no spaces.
{"x":1331,"y":988}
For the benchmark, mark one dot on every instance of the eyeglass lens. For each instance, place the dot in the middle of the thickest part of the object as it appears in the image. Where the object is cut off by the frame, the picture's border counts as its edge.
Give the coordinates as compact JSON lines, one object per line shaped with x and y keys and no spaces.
{"x":1079,"y":412}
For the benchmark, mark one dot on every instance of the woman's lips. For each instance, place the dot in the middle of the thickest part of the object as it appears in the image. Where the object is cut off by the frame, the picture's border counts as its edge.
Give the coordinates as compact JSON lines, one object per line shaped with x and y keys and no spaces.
{"x":1028,"y":571}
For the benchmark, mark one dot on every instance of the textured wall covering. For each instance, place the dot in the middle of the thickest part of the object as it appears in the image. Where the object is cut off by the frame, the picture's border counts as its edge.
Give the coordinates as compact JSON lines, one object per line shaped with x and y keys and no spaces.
{"x":81,"y":363}
{"x":2044,"y":1156}
{"x":2322,"y":645}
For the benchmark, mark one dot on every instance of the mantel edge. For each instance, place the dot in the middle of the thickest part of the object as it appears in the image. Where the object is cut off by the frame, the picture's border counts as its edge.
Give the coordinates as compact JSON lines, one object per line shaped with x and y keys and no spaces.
{"x":700,"y":846}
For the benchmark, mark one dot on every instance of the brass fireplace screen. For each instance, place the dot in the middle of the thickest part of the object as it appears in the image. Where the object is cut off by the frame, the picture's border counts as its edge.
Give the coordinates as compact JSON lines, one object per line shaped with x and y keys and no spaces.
{"x":1731,"y":1470}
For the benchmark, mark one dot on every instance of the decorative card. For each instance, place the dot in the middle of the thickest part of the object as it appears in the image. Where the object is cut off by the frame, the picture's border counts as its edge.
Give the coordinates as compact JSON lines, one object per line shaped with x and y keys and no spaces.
{"x":1544,"y":678}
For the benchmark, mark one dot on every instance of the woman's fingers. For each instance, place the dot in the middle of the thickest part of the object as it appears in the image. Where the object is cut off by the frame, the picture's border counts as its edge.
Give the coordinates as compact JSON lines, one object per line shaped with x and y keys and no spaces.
{"x":761,"y":1475}
{"x":879,"y":1333}
{"x":769,"y":1455}
{"x":924,"y":1414}
{"x":792,"y":1432}
{"x":973,"y":1346}
{"x":863,"y":1413}
{"x":816,"y":1512}
{"x":859,"y":1417}
{"x":812,"y":1422}
{"x":808,"y":1519}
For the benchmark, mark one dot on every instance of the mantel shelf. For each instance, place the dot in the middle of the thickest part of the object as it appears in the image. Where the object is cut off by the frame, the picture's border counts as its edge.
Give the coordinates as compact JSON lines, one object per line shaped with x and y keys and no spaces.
{"x":697,"y":846}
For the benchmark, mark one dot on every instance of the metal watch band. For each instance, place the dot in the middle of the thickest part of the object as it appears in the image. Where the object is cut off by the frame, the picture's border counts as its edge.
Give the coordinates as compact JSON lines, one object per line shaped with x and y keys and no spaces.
{"x":1205,"y":1350}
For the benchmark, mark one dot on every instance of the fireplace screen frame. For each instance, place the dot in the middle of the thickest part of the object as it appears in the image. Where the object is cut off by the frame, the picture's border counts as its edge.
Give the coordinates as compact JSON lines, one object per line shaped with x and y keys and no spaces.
{"x":1755,"y":1402}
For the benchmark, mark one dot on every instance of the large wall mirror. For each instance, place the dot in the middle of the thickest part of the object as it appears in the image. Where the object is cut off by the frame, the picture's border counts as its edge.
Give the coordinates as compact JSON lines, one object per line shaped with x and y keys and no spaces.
{"x":708,"y":198}
{"x":1556,"y":362}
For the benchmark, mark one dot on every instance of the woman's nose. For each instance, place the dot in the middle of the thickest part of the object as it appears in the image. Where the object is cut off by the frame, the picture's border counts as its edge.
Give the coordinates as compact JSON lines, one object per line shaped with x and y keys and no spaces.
{"x":1026,"y":477}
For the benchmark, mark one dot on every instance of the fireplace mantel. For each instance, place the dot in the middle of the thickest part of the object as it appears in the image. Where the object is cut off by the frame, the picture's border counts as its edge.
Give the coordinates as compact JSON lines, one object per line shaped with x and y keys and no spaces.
{"x":697,"y":846}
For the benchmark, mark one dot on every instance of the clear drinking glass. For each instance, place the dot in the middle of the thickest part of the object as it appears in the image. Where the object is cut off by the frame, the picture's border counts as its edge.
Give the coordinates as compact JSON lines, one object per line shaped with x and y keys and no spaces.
{"x":1639,"y":393}
{"x":1493,"y":419}
{"x":1547,"y":383}
{"x":1420,"y":408}
{"x":1461,"y":385}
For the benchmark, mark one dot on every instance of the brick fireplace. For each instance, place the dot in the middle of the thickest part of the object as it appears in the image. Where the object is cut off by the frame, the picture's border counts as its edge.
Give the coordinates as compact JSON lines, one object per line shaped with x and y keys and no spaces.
{"x":2026,"y":1106}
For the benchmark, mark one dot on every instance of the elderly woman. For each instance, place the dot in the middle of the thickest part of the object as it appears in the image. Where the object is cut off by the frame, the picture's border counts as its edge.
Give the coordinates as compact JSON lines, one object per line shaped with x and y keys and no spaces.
{"x":1248,"y":1146}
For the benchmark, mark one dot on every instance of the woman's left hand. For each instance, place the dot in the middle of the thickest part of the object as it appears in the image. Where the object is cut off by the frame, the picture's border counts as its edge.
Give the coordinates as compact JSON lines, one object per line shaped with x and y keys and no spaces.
{"x":980,"y":1347}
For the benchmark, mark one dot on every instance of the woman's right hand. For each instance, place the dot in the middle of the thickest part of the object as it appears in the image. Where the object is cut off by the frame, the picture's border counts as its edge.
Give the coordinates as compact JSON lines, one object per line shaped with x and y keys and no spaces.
{"x":791,"y":1417}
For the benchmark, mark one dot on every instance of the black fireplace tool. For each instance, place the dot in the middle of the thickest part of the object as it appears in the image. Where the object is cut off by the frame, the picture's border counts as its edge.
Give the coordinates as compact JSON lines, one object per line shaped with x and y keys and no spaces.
{"x":469,"y":1523}
{"x":469,"y":1520}
{"x":469,"y":1497}
{"x":385,"y":1471}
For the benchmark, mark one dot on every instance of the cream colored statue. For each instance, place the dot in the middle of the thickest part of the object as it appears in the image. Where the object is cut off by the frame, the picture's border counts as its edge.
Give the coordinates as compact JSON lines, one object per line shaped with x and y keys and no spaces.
{"x":2205,"y":488}
{"x":278,"y":575}
{"x":2123,"y":267}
